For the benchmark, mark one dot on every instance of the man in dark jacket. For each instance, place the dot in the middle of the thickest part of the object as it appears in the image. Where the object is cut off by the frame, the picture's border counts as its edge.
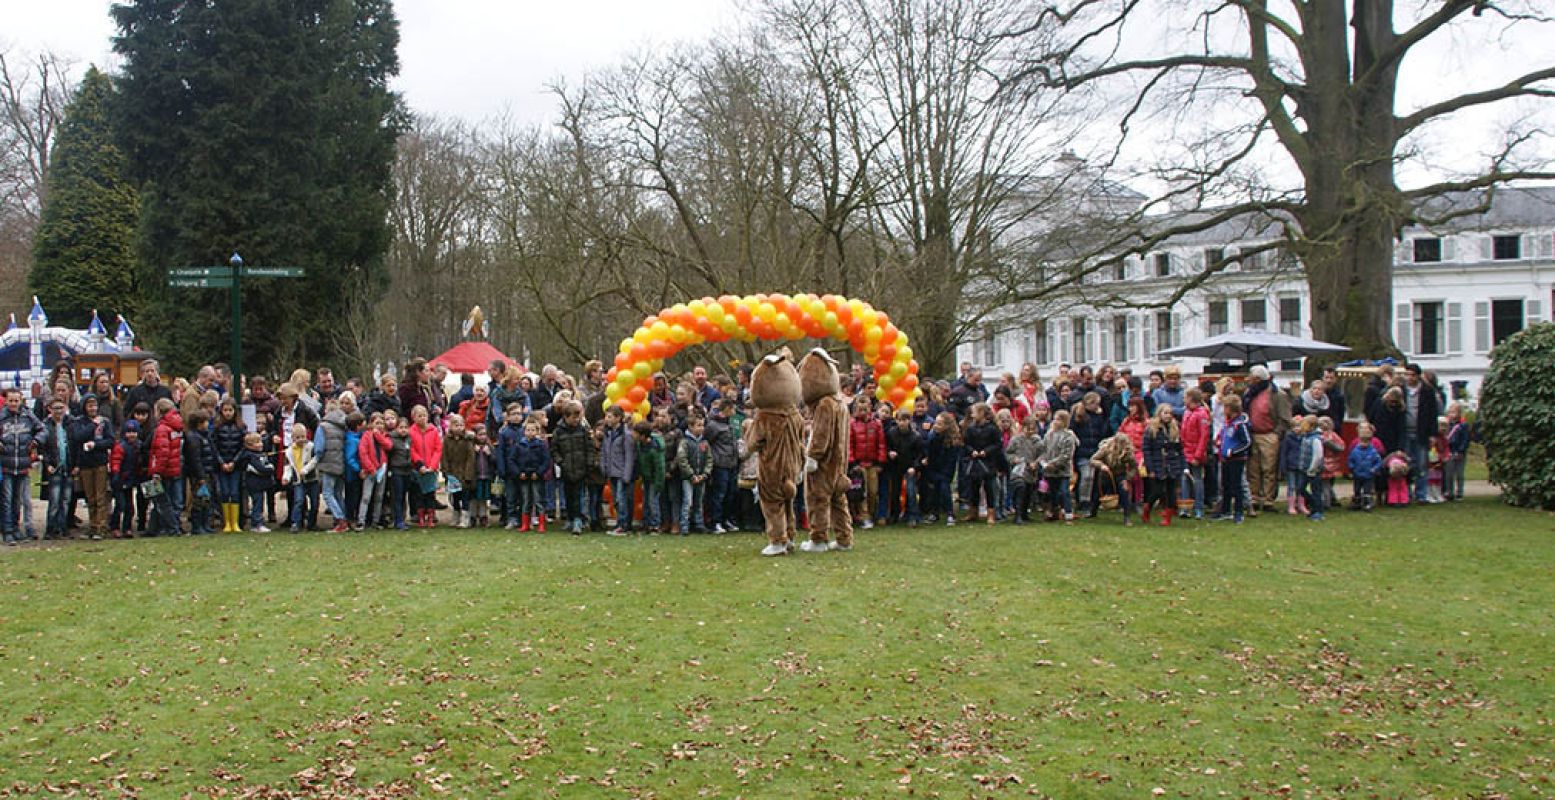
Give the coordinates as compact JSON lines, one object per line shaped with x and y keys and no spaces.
{"x":20,"y":432}
{"x":150,"y":389}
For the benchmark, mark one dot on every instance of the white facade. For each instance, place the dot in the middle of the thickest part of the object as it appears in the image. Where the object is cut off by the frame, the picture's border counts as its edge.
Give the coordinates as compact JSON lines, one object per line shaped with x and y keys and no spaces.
{"x":1456,"y":292}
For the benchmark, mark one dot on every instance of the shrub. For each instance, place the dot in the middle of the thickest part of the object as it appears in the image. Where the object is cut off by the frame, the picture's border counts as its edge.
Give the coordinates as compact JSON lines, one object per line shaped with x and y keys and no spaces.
{"x":1517,"y":417}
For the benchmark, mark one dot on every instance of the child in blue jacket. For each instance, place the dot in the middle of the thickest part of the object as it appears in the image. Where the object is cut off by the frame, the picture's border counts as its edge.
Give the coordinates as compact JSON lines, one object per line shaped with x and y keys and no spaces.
{"x":1365,"y":466}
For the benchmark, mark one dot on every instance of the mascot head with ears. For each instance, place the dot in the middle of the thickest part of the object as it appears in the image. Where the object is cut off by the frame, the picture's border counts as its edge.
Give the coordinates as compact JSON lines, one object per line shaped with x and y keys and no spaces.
{"x":775,"y":382}
{"x":818,"y":376}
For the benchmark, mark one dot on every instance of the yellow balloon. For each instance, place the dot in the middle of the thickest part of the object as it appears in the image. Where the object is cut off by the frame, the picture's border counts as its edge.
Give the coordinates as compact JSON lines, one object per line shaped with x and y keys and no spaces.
{"x":767,"y":312}
{"x":697,"y":308}
{"x":871,"y":353}
{"x":857,"y":307}
{"x":829,"y":321}
{"x":613,"y":392}
{"x":626,"y":345}
{"x":643,"y":370}
{"x":886,"y":382}
{"x":909,"y":404}
{"x":869,"y":319}
{"x":716,"y":314}
{"x":642,"y":336}
{"x":642,"y":410}
{"x":677,"y":334}
{"x":729,"y":324}
{"x":898,"y":370}
{"x":660,"y":330}
{"x":903,"y":353}
{"x":872,"y":334}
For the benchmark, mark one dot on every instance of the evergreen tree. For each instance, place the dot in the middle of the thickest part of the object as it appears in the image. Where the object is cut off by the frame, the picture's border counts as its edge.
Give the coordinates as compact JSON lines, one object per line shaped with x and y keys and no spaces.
{"x":264,"y":127}
{"x":83,"y":256}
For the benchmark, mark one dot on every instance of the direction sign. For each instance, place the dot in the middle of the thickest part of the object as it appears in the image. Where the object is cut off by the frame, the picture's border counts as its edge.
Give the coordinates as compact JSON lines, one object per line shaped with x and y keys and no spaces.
{"x":272,"y":272}
{"x":200,"y":272}
{"x":200,"y":283}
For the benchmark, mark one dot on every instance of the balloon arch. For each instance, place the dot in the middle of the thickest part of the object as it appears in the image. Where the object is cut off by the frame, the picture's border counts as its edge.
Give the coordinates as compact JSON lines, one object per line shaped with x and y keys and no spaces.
{"x":769,"y":317}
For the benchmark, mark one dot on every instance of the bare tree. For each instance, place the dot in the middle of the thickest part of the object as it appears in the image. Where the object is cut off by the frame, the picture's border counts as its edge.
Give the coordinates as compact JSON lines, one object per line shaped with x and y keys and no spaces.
{"x":33,"y":95}
{"x":1313,"y":81}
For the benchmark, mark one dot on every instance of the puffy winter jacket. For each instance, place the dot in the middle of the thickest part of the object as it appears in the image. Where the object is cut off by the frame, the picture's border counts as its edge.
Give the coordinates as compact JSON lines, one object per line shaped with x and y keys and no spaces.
{"x":127,"y":464}
{"x":570,"y":449}
{"x":1196,"y":435}
{"x":19,"y":433}
{"x":695,"y":459}
{"x":1236,"y":438}
{"x":1134,"y":429}
{"x":329,"y":443}
{"x":227,"y":438}
{"x":426,"y":446}
{"x":1365,"y":460}
{"x":720,"y":440}
{"x":866,"y":442}
{"x":1163,"y":456}
{"x":650,"y":460}
{"x":1291,"y":459}
{"x":99,"y":432}
{"x":1058,"y":452}
{"x":618,"y":452}
{"x":459,"y":456}
{"x":167,"y":448}
{"x":987,"y":438}
{"x":1025,"y":450}
{"x":904,"y":441}
{"x":194,"y":452}
{"x":531,"y":458}
{"x":399,"y":453}
{"x":1090,"y":432}
{"x":941,"y":457}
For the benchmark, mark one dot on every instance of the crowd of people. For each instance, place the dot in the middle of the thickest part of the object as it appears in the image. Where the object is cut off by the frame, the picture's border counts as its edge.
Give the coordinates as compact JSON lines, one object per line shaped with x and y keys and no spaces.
{"x":525,"y":450}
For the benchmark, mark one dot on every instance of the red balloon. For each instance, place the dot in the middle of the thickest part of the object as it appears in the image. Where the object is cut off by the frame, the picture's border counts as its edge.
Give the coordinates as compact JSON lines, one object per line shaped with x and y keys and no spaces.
{"x":908,"y":382}
{"x":887,"y":331}
{"x":792,"y":310}
{"x":742,"y":315}
{"x":887,"y":353}
{"x":912,"y":367}
{"x":897,"y":396}
{"x":844,"y":314}
{"x":662,"y":348}
{"x":855,"y":329}
{"x":636,"y":394}
{"x":639,"y":352}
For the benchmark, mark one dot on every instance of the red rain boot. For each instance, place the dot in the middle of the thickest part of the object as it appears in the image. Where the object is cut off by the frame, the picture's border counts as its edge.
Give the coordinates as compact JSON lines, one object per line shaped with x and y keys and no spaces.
{"x":523,"y":526}
{"x":1166,"y":516}
{"x":539,"y":523}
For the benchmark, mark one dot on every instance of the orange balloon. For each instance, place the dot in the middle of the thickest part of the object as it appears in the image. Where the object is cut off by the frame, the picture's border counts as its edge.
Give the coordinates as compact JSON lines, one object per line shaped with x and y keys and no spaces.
{"x":728,"y":302}
{"x":912,"y":368}
{"x":623,"y":361}
{"x":855,"y":329}
{"x":648,"y":323}
{"x":897,"y":396}
{"x":742,"y":314}
{"x":662,"y":348}
{"x":887,"y":331}
{"x":639,"y":352}
{"x":887,"y":352}
{"x":844,"y":315}
{"x":636,"y":395}
{"x":908,"y":382}
{"x":792,"y":310}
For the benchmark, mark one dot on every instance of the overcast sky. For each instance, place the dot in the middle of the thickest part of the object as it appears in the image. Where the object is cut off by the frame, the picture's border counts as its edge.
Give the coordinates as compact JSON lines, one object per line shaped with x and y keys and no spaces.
{"x":467,"y":58}
{"x":477,"y":59}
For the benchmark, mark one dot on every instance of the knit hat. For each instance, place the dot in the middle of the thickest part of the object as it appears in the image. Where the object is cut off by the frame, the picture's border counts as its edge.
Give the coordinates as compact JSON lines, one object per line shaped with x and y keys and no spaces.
{"x":132,"y":427}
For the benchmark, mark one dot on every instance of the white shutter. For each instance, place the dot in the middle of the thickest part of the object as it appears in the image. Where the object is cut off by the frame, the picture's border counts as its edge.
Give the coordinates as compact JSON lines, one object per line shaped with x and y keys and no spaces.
{"x":1531,"y":242}
{"x":1543,"y":245}
{"x":1454,"y":328}
{"x":1404,"y":252}
{"x":1403,"y":326}
{"x":1481,"y":326}
{"x":1532,"y":312}
{"x":1486,"y":248}
{"x":1104,"y":339}
{"x":1146,"y":325}
{"x":1173,"y":329}
{"x":1449,"y":248}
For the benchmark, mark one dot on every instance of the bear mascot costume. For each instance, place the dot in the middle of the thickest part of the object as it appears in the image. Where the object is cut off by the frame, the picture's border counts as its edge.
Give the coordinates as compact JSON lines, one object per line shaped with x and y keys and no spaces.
{"x":776,"y":437}
{"x":826,"y":457}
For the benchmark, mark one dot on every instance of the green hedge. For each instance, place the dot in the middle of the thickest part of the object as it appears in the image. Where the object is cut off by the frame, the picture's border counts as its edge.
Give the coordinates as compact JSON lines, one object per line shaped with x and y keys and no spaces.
{"x":1517,"y":417}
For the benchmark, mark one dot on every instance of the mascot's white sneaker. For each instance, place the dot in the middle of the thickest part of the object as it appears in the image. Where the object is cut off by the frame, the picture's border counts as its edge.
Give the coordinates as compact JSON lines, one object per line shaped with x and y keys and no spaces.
{"x":775,"y":550}
{"x":810,"y":546}
{"x":840,"y":547}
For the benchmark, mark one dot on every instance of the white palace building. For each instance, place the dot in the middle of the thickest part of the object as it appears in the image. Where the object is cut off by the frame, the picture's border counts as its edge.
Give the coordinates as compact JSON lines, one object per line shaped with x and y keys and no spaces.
{"x":1458,"y":289}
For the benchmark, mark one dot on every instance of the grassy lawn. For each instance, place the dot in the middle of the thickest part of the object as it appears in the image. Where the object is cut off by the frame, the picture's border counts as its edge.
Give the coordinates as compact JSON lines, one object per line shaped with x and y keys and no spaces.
{"x":1402,"y":653}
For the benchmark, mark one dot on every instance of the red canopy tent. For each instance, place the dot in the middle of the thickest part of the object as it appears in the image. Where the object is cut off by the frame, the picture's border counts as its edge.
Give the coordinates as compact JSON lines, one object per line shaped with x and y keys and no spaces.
{"x":471,"y":357}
